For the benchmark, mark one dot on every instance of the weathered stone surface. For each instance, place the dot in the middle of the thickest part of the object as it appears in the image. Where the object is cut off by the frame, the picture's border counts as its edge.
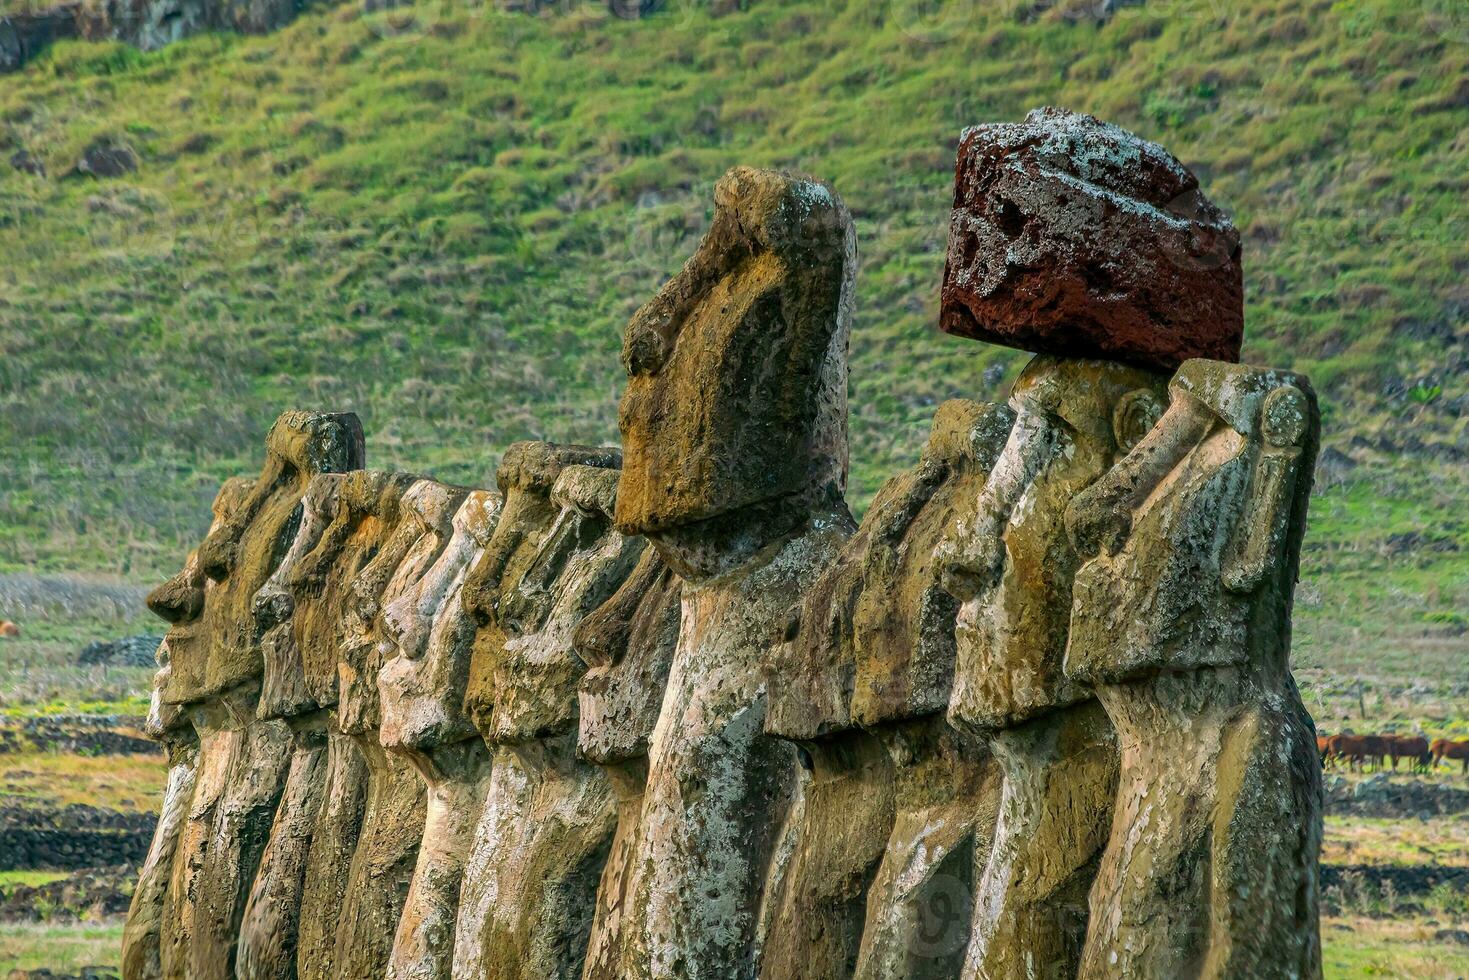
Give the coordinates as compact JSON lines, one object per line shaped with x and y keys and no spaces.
{"x":1074,"y":237}
{"x":161,"y":914}
{"x":548,"y":819}
{"x":1182,"y":622}
{"x":766,"y":301}
{"x":1013,"y":567}
{"x":627,"y":644}
{"x":242,"y":553}
{"x":395,"y":810}
{"x":872,"y":643}
{"x":422,"y":694}
{"x":366,"y":514}
{"x":734,"y":443}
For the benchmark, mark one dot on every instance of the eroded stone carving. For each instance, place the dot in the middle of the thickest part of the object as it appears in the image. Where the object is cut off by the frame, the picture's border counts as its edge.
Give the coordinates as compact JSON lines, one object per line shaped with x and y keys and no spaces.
{"x":157,"y":907}
{"x":884,"y":843}
{"x":366,"y":511}
{"x":422,"y":692}
{"x":627,"y":644}
{"x":544,"y":834}
{"x":1182,"y":624}
{"x":395,"y":806}
{"x":734,"y":442}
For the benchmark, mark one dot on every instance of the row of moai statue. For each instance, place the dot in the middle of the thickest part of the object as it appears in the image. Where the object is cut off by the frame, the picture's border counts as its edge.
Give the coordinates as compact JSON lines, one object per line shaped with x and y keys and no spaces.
{"x":669,"y":713}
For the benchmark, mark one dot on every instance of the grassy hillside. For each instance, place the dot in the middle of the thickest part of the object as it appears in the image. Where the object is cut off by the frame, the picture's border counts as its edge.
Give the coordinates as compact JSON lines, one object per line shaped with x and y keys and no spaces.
{"x":441,"y":217}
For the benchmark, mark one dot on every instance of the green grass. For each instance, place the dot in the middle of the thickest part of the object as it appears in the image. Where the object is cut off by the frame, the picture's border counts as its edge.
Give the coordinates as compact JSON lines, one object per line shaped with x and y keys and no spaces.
{"x":1353,"y":948}
{"x":63,"y":947}
{"x":441,"y":217}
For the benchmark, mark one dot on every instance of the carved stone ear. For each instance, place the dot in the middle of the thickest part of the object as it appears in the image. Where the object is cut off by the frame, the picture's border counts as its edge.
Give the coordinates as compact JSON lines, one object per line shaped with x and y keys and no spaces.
{"x":1134,"y":417}
{"x":1285,"y":417}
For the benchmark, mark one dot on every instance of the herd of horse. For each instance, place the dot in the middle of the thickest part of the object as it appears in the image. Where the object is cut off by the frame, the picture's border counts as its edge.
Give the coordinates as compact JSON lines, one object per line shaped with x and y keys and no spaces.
{"x":1358,"y":752}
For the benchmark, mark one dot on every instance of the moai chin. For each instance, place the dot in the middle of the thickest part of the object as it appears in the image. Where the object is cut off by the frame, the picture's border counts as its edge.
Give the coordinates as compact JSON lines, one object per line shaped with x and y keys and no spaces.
{"x":366,"y":513}
{"x":395,"y":804}
{"x":734,"y":463}
{"x":1182,"y":624}
{"x":421,"y":690}
{"x":1073,"y":238}
{"x":160,"y":906}
{"x":240,"y":556}
{"x":548,"y":818}
{"x":268,"y":930}
{"x":627,"y":645}
{"x":897,"y":807}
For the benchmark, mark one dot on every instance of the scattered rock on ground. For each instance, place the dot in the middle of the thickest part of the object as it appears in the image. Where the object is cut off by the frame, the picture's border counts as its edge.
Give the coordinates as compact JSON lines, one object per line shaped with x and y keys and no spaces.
{"x":130,"y":651}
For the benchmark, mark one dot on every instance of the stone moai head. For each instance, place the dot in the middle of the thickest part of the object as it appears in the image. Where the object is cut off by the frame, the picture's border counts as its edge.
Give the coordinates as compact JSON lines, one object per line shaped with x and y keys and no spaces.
{"x":365,"y":530}
{"x":241,"y":554}
{"x":180,"y":601}
{"x":1073,"y":418}
{"x":425,"y":525}
{"x":734,"y":421}
{"x":627,"y":644}
{"x":512,"y":587}
{"x":422,"y":688}
{"x":283,"y":694}
{"x":872,"y":639}
{"x":584,"y":559}
{"x":1197,"y":532}
{"x":1071,"y":236}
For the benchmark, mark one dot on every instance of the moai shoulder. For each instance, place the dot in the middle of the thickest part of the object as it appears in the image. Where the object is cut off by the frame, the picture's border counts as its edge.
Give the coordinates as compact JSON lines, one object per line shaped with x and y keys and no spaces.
{"x":242,"y":554}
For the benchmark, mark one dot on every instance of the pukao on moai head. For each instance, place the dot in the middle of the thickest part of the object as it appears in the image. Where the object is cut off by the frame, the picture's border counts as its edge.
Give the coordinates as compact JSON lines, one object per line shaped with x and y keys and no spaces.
{"x":627,"y":645}
{"x":364,"y":526}
{"x":892,"y":815}
{"x":156,"y":910}
{"x":1182,"y":624}
{"x":548,"y":816}
{"x":1075,"y":239}
{"x":394,"y":808}
{"x":421,"y":690}
{"x":242,"y":553}
{"x":734,"y":429}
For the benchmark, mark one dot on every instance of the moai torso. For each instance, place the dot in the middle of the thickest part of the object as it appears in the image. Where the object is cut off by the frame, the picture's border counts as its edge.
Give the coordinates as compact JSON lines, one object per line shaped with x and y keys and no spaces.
{"x":548,"y":816}
{"x":395,"y":807}
{"x":882,"y":836}
{"x":421,"y":690}
{"x":157,"y":909}
{"x":734,"y":446}
{"x":627,"y":644}
{"x":364,"y":516}
{"x":1182,"y":621}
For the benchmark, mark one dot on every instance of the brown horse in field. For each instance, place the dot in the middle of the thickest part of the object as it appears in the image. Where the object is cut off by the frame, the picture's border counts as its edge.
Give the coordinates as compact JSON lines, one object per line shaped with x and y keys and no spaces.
{"x":1357,"y":750}
{"x":1443,"y":748}
{"x":9,"y":629}
{"x":1323,"y":749}
{"x":1409,"y":747}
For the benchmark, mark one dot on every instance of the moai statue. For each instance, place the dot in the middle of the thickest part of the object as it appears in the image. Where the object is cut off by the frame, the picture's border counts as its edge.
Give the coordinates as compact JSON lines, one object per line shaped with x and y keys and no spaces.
{"x":734,"y":429}
{"x":180,"y":601}
{"x":544,"y":833}
{"x":366,"y":515}
{"x":422,"y":690}
{"x":1072,"y":238}
{"x":627,"y":645}
{"x":241,"y":556}
{"x":1181,"y":623}
{"x":898,"y":808}
{"x":268,"y":929}
{"x":395,"y":806}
